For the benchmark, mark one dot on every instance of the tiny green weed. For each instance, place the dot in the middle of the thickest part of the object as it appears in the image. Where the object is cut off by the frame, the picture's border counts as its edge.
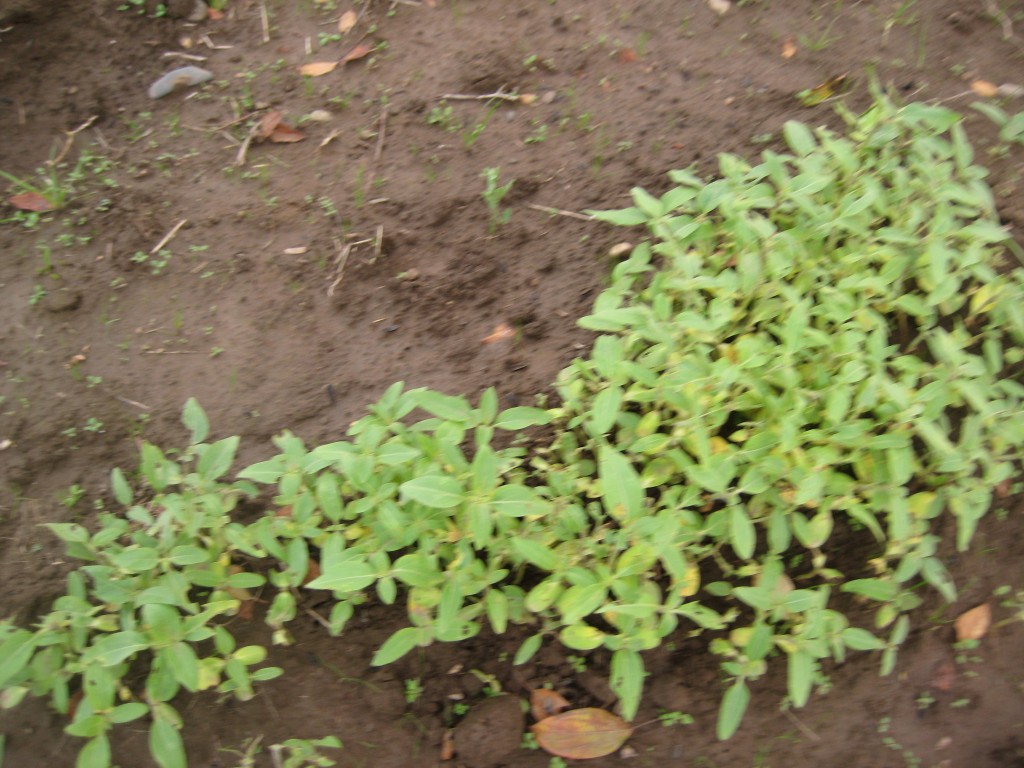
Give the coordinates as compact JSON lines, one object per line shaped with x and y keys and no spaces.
{"x":493,"y":194}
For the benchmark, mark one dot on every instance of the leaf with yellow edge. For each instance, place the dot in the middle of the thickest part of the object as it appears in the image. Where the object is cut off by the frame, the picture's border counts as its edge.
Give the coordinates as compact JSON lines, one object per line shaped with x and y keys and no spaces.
{"x":973,"y":624}
{"x":581,"y":734}
{"x":317,"y":68}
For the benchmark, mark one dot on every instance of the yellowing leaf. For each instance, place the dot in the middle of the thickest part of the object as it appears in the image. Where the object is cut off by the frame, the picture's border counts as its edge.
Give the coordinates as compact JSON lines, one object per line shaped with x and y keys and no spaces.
{"x":973,"y":624}
{"x":501,"y":332}
{"x":582,"y":733}
{"x":347,"y":21}
{"x":317,"y":68}
{"x":823,"y":92}
{"x":985,"y":89}
{"x":358,"y":52}
{"x":30,"y":201}
{"x":544,"y":703}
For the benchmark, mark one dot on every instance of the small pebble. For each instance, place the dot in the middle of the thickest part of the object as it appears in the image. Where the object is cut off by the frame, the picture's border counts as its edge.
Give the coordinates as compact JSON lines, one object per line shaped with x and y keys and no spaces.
{"x":320,"y":116}
{"x":199,"y":12}
{"x":178,"y":78}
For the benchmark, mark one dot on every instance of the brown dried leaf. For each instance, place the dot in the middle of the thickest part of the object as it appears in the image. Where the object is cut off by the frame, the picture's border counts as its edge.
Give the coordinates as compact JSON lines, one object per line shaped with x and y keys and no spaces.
{"x":527,"y":98}
{"x":544,"y":703}
{"x":581,"y":734}
{"x":788,"y":48}
{"x":501,"y":332}
{"x":973,"y":624}
{"x":447,"y":746}
{"x":31,"y":201}
{"x":360,"y":51}
{"x":317,"y":68}
{"x":312,"y":572}
{"x":985,"y":89}
{"x":626,"y":56}
{"x":268,"y":123}
{"x":347,"y":21}
{"x":285,"y":134}
{"x":943,"y":676}
{"x":214,"y":15}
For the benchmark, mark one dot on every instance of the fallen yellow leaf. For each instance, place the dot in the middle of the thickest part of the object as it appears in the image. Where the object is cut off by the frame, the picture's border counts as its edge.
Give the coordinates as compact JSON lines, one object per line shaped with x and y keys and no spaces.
{"x":985,"y":89}
{"x":581,"y":734}
{"x":317,"y":68}
{"x":347,"y":21}
{"x":973,"y":624}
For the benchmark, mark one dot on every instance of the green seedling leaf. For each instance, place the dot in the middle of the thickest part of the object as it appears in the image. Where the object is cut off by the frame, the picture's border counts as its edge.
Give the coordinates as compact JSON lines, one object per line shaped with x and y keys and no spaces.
{"x":216,"y":459}
{"x":436,"y":491}
{"x":396,"y":646}
{"x":536,"y":553}
{"x":582,"y":734}
{"x":496,"y":603}
{"x":444,"y":406}
{"x":165,"y":745}
{"x":15,"y":653}
{"x":346,"y":576}
{"x":194,"y":419}
{"x":732,"y":709}
{"x":581,"y":637}
{"x":528,"y":649}
{"x":521,"y":417}
{"x":118,"y":484}
{"x":113,"y":649}
{"x":801,"y":677}
{"x":627,"y":680}
{"x":622,"y":490}
{"x":625,"y":217}
{"x":95,"y":753}
{"x":859,"y":639}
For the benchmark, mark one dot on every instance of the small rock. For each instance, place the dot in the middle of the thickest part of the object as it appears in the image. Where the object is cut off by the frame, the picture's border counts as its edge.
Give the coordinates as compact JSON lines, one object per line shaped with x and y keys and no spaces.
{"x":720,"y":7}
{"x":320,"y":116}
{"x":199,"y":12}
{"x":492,"y":729}
{"x":62,"y":300}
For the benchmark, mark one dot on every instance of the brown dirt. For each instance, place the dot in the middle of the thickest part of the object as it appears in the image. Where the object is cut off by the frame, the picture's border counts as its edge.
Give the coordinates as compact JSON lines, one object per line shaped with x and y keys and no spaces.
{"x":242,"y":318}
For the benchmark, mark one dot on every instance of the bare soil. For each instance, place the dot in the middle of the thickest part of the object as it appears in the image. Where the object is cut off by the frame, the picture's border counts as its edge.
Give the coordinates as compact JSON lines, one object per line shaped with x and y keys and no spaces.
{"x":251,"y":310}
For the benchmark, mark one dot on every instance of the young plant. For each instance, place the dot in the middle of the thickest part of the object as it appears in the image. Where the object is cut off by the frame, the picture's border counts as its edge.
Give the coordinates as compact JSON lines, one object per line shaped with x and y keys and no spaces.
{"x":152,"y":587}
{"x":493,"y":194}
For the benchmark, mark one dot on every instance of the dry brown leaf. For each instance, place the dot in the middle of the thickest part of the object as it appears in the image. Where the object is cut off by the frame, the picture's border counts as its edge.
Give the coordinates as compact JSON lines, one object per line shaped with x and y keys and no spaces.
{"x":268,"y":123}
{"x":285,"y":134}
{"x":347,"y":21}
{"x":214,"y":15}
{"x":501,"y":332}
{"x":943,"y":676}
{"x":31,"y":201}
{"x":581,"y":734}
{"x":985,"y":89}
{"x":317,"y":68}
{"x":626,"y":56}
{"x":544,"y":703}
{"x":447,"y":746}
{"x":312,"y":572}
{"x":361,"y":50}
{"x":973,"y":624}
{"x":788,"y":48}
{"x":527,"y":98}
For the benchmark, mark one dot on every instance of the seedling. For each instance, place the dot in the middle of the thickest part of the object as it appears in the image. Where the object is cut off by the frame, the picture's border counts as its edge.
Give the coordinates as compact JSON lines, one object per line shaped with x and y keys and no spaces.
{"x":413,"y":690}
{"x":493,"y":194}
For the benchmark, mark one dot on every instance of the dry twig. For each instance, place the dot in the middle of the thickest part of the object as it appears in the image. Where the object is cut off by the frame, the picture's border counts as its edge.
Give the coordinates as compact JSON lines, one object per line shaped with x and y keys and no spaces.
{"x":560,"y":212}
{"x":501,"y":93}
{"x":168,"y":237}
